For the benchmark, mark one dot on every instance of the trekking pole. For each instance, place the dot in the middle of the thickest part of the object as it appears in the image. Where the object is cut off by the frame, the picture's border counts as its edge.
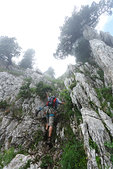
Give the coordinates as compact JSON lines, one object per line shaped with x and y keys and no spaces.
{"x":40,"y":108}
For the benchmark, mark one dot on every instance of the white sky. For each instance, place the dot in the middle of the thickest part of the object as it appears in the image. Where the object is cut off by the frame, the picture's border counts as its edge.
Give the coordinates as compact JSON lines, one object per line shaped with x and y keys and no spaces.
{"x":35,"y":24}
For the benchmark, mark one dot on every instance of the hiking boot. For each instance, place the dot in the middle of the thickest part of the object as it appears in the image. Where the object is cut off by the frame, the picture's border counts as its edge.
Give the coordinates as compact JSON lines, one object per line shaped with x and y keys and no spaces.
{"x":49,"y":140}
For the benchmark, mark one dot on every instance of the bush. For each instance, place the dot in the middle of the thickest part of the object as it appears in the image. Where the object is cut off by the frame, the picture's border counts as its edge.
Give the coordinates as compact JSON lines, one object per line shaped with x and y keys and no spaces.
{"x":6,"y":157}
{"x":101,"y":74}
{"x":73,"y":155}
{"x":93,"y":145}
{"x":3,"y":104}
{"x":17,"y":113}
{"x":42,"y":88}
{"x":25,"y":91}
{"x":105,"y":95}
{"x":73,"y":85}
{"x":46,"y":161}
{"x":37,"y":137}
{"x":67,"y":107}
{"x":27,"y":165}
{"x":110,"y":149}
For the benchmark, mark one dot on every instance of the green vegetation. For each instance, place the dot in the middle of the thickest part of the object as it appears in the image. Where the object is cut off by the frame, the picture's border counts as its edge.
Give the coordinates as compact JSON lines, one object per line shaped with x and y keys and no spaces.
{"x":98,"y":160}
{"x":78,"y":115}
{"x":15,"y":73}
{"x":73,"y":85}
{"x":67,"y":107}
{"x":93,"y":145}
{"x":101,"y":74}
{"x":6,"y":157}
{"x":37,"y":137}
{"x":93,"y":105}
{"x":46,"y":161}
{"x":58,"y":82}
{"x":105,"y":95}
{"x":3,"y":104}
{"x":109,"y":146}
{"x":73,"y":155}
{"x":25,"y":91}
{"x":27,"y":165}
{"x":17,"y":113}
{"x":42,"y":88}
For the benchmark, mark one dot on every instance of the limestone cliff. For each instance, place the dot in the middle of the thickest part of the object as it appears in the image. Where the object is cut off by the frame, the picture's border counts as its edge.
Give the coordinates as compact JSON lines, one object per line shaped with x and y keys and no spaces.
{"x":83,"y":132}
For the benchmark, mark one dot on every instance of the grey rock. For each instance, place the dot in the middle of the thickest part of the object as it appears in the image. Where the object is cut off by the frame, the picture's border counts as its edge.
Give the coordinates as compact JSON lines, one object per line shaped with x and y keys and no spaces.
{"x":103,"y":55}
{"x":18,"y":162}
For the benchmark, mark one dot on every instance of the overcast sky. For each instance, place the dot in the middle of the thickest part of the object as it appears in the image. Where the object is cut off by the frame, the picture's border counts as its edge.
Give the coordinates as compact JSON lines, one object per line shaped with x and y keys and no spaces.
{"x":35,"y":24}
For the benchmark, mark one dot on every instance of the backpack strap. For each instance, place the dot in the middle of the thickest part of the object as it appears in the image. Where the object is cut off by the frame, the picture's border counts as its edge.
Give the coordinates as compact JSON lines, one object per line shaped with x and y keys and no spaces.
{"x":47,"y":103}
{"x":54,"y":101}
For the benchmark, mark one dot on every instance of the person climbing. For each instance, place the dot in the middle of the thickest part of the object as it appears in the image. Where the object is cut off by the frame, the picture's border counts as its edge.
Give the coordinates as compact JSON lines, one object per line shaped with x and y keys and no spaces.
{"x":50,"y":111}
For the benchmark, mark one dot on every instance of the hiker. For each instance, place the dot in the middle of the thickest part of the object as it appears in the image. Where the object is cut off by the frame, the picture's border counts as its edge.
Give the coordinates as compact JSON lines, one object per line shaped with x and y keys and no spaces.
{"x":50,"y":111}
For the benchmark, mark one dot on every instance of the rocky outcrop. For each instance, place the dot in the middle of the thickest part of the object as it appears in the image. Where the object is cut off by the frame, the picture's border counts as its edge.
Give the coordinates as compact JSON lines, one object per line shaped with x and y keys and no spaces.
{"x":90,"y":34}
{"x":18,"y":162}
{"x":10,"y":82}
{"x":103,"y":55}
{"x":9,"y":86}
{"x":97,"y":126}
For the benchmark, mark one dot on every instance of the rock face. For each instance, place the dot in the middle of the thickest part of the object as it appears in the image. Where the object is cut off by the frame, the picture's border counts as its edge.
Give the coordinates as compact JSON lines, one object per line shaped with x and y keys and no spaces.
{"x":97,"y":126}
{"x":102,"y":50}
{"x":19,"y":126}
{"x":90,"y":34}
{"x":9,"y":86}
{"x":103,"y":55}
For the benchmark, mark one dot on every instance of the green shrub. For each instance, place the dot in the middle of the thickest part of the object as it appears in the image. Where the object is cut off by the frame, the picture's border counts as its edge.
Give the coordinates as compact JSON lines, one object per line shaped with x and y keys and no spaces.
{"x":67,"y":107}
{"x":27,"y":165}
{"x":25,"y":91}
{"x":15,"y":73}
{"x":93,"y":145}
{"x":65,"y":95}
{"x":105,"y":95}
{"x":98,"y":160}
{"x":73,"y":156}
{"x":73,"y":85}
{"x":42,"y":88}
{"x":38,"y":136}
{"x":101,"y":74}
{"x":46,"y":161}
{"x":17,"y":113}
{"x":110,"y":149}
{"x":78,"y":115}
{"x":6,"y":157}
{"x":3,"y":104}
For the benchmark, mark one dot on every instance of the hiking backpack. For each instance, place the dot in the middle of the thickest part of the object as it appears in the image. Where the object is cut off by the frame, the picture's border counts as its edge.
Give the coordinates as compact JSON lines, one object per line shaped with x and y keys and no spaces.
{"x":52,"y":102}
